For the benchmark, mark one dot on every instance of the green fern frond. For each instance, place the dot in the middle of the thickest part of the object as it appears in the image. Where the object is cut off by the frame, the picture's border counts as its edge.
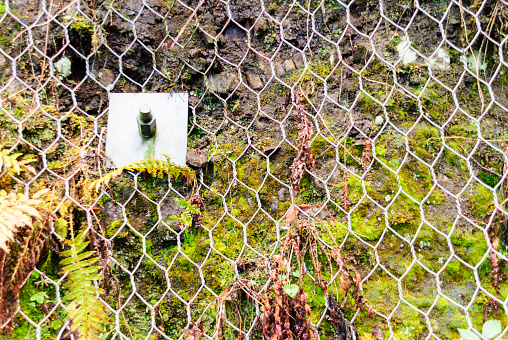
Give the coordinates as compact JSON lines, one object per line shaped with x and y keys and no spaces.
{"x":104,"y":180}
{"x":156,"y":168}
{"x":87,"y":312}
{"x":16,"y":212}
{"x":188,"y":210}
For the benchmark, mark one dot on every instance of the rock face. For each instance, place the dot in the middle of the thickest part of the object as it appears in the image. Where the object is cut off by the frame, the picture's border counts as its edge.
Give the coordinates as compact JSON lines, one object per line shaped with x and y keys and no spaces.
{"x":222,"y":83}
{"x":254,"y":80}
{"x":196,"y":158}
{"x":289,"y":66}
{"x":384,"y":209}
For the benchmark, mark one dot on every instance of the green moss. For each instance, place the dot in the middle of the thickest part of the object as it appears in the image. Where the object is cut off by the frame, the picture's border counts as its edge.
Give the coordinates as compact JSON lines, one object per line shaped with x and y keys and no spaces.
{"x":470,"y":247}
{"x":321,"y":69}
{"x":489,"y":178}
{"x":334,"y":233}
{"x":355,"y":190}
{"x":382,"y":293}
{"x":447,"y":318}
{"x":478,"y":309}
{"x":368,"y":223}
{"x":424,"y":141}
{"x":453,"y":267}
{"x":315,"y":298}
{"x":415,"y":180}
{"x":321,"y":148}
{"x":404,"y":215}
{"x":8,"y":30}
{"x":113,"y":227}
{"x":308,"y":192}
{"x":480,"y":200}
{"x":380,"y":150}
{"x":436,"y":103}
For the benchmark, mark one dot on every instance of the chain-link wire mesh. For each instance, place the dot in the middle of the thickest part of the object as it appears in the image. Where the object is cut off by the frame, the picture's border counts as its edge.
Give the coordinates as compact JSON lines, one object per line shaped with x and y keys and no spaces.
{"x":407,"y":106}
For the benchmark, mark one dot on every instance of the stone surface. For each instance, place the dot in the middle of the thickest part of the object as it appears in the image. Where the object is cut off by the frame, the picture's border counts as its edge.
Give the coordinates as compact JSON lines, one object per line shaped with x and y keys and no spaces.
{"x":279,"y":69}
{"x":441,"y":60}
{"x":298,"y":60}
{"x":203,"y":142}
{"x":107,"y":77}
{"x":124,"y":145}
{"x":289,"y":65}
{"x":283,"y":194}
{"x":262,"y":24}
{"x":254,"y":80}
{"x":5,"y":65}
{"x":333,"y":57}
{"x":222,"y":83}
{"x":406,"y":52}
{"x":196,"y":158}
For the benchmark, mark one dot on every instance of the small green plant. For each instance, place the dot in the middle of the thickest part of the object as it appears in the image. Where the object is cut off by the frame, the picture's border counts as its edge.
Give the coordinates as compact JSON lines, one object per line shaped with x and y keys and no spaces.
{"x":82,"y":25}
{"x":333,"y":6}
{"x":323,"y":51}
{"x":269,"y":40}
{"x":168,"y":73}
{"x":291,"y":289}
{"x":189,"y":209}
{"x":490,"y":330}
{"x":475,"y":62}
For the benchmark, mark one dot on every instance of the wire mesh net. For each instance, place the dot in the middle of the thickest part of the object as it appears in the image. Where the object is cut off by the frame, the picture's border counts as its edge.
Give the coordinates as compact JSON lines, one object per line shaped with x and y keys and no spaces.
{"x":350,"y":157}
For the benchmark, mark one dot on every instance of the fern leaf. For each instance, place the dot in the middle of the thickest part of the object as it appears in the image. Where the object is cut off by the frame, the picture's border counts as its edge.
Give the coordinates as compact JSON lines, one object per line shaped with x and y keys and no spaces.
{"x":87,"y":312}
{"x":16,"y":212}
{"x":96,"y":185}
{"x":8,"y":161}
{"x":156,"y":168}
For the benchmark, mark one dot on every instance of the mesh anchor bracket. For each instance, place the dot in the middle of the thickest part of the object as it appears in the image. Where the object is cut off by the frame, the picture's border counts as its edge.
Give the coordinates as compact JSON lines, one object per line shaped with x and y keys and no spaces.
{"x":147,"y":125}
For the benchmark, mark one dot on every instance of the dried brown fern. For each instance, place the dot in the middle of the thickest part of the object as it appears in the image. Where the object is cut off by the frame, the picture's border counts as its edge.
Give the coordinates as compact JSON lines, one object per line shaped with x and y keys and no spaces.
{"x":286,"y":313}
{"x":350,"y":279}
{"x":367,"y":154}
{"x":304,"y":159}
{"x":283,"y":316}
{"x":197,"y":201}
{"x":192,"y":331}
{"x":16,"y":212}
{"x":23,"y":225}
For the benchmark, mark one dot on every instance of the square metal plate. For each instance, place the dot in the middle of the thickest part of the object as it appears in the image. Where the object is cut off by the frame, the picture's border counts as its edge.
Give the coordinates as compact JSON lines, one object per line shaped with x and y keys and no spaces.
{"x":125,"y":145}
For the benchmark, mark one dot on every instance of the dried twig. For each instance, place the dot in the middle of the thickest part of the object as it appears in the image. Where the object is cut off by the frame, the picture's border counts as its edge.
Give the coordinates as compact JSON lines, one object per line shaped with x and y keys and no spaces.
{"x":186,"y":24}
{"x":344,"y":193}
